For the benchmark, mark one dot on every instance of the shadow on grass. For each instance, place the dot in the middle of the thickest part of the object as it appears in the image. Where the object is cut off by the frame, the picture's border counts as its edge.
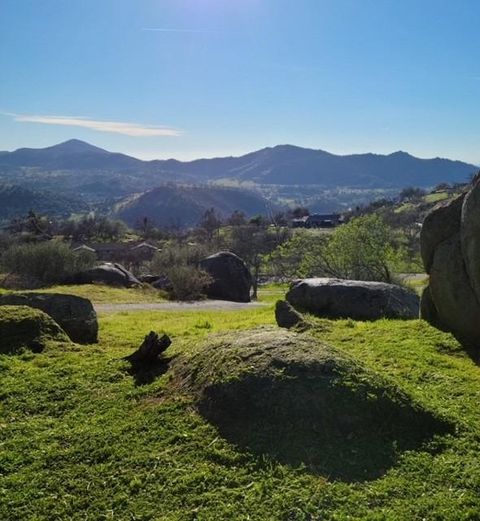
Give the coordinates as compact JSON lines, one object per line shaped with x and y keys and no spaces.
{"x":146,"y":372}
{"x":331,"y":430}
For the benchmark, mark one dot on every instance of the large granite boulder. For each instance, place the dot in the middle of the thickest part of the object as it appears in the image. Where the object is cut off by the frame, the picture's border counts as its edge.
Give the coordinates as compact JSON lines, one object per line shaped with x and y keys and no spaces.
{"x":450,"y":246}
{"x":359,"y":300}
{"x":75,"y":315}
{"x":110,"y":274}
{"x":438,"y":226}
{"x":231,"y":277}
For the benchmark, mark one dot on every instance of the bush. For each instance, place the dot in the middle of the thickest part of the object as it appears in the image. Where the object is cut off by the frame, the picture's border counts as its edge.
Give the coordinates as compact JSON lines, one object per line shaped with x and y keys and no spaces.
{"x":48,"y":262}
{"x":187,"y":282}
{"x":174,"y":254}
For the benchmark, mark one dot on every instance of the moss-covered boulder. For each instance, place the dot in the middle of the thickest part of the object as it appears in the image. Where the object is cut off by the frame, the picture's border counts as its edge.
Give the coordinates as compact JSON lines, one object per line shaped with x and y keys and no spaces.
{"x":23,"y":327}
{"x":75,"y":315}
{"x":304,"y":403}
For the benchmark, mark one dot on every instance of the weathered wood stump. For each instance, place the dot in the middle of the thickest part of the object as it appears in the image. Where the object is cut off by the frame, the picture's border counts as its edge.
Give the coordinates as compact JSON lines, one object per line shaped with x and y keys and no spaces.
{"x":151,"y":349}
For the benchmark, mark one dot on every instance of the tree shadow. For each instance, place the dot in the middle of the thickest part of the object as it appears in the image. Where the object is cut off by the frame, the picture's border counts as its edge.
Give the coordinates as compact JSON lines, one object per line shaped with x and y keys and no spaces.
{"x":331,"y":430}
{"x":145,"y":373}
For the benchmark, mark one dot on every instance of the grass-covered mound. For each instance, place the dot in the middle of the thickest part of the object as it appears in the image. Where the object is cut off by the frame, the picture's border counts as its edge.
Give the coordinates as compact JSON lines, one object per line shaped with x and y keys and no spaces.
{"x":304,"y":402}
{"x":22,"y":327}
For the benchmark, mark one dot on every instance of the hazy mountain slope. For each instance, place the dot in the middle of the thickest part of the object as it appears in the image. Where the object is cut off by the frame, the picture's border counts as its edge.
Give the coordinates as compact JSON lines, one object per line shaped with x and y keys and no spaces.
{"x":16,"y":201}
{"x":72,"y":154}
{"x":74,"y":162}
{"x":174,"y":205}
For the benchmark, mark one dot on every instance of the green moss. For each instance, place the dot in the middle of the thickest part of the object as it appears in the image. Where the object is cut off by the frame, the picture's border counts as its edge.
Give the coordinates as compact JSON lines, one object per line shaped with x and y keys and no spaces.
{"x":22,"y":327}
{"x":304,"y":403}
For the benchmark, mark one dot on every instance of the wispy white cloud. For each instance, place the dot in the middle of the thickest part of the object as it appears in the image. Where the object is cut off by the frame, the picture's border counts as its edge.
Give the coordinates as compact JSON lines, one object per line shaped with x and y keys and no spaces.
{"x":116,"y":127}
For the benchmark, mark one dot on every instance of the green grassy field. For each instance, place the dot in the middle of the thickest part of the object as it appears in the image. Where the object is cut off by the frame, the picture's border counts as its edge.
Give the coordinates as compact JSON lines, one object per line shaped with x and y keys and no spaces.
{"x":101,"y":294}
{"x":436,"y":197}
{"x":81,"y":438}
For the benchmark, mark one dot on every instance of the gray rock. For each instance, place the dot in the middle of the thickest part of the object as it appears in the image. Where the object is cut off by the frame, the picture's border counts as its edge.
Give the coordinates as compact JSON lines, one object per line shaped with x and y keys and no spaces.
{"x":148,"y":279}
{"x":359,"y":300}
{"x":287,"y":317}
{"x":440,"y":224}
{"x":231,"y":277}
{"x":429,"y":312}
{"x":162,"y":283}
{"x":452,"y":293}
{"x":75,"y":315}
{"x":450,"y":244}
{"x":109,"y":274}
{"x":470,"y":236}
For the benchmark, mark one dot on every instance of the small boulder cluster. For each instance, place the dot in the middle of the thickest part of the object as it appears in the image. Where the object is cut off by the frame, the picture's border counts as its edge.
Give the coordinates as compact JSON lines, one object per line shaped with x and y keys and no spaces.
{"x":231,"y":279}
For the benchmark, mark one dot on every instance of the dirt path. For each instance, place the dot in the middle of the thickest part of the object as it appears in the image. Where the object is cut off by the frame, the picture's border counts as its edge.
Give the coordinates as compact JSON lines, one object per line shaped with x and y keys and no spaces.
{"x":203,"y":305}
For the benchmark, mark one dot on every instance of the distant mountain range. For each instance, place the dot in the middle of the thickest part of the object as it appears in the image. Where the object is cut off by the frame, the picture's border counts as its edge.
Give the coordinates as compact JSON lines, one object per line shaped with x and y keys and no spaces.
{"x":83,"y":176}
{"x":280,"y":165}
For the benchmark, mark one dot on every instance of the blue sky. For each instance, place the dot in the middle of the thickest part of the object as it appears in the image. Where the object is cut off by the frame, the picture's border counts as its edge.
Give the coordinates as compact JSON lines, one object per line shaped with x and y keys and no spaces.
{"x":200,"y":78}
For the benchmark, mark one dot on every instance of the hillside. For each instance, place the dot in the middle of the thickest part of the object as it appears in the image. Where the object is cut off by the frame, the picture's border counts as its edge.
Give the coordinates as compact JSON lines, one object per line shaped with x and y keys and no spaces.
{"x":70,"y":155}
{"x":280,"y":165}
{"x":410,"y":210}
{"x":16,"y":201}
{"x":177,"y":205}
{"x":290,"y":165}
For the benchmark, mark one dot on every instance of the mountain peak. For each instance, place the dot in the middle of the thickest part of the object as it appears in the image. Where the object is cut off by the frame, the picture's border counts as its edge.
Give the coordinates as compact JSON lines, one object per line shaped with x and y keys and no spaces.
{"x":400,"y":153}
{"x":76,"y":146}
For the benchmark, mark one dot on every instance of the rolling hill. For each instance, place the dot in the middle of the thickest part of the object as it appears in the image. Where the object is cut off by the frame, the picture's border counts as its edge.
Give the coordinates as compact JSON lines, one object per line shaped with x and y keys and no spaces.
{"x":16,"y":201}
{"x":177,"y":205}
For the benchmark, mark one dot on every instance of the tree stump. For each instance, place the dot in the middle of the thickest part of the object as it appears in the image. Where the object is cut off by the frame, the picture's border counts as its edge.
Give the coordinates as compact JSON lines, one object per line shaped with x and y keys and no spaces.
{"x":151,"y":349}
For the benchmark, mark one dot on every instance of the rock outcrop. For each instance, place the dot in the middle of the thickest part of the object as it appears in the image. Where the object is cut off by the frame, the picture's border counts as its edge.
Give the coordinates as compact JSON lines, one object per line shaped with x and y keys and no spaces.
{"x":74,"y":314}
{"x":231,"y":277}
{"x":287,"y":317}
{"x":22,"y":327}
{"x":109,"y":274}
{"x":302,"y":402}
{"x":359,"y":300}
{"x":450,"y":247}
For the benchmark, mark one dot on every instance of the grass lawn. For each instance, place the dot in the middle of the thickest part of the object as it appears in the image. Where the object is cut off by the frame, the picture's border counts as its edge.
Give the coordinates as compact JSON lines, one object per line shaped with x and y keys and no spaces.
{"x":101,"y":294}
{"x":80,"y":439}
{"x":436,"y":197}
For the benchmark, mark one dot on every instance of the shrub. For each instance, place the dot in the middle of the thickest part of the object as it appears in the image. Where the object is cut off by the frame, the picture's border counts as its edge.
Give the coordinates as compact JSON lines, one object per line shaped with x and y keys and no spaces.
{"x":187,"y":282}
{"x":48,"y":262}
{"x":174,"y":254}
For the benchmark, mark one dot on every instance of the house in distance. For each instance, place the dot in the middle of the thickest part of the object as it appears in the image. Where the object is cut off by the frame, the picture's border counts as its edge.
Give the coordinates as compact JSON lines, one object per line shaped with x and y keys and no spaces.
{"x":318,"y":220}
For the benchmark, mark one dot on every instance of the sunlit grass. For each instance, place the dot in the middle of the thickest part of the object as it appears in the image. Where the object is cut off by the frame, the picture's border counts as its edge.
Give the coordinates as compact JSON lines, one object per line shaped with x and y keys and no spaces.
{"x":101,"y":294}
{"x":80,"y":440}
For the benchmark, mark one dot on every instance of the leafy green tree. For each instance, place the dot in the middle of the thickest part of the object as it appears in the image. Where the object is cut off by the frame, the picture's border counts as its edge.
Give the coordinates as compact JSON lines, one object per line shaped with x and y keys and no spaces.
{"x":210,"y":224}
{"x":363,"y":249}
{"x":253,"y":242}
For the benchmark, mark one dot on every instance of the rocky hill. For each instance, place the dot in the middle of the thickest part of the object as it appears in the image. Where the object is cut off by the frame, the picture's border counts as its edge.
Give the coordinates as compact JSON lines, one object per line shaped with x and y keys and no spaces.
{"x":178,"y":205}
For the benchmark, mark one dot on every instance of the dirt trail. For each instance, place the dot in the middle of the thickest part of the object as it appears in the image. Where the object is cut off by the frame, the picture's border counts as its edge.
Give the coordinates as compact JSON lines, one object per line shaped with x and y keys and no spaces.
{"x":203,"y":305}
